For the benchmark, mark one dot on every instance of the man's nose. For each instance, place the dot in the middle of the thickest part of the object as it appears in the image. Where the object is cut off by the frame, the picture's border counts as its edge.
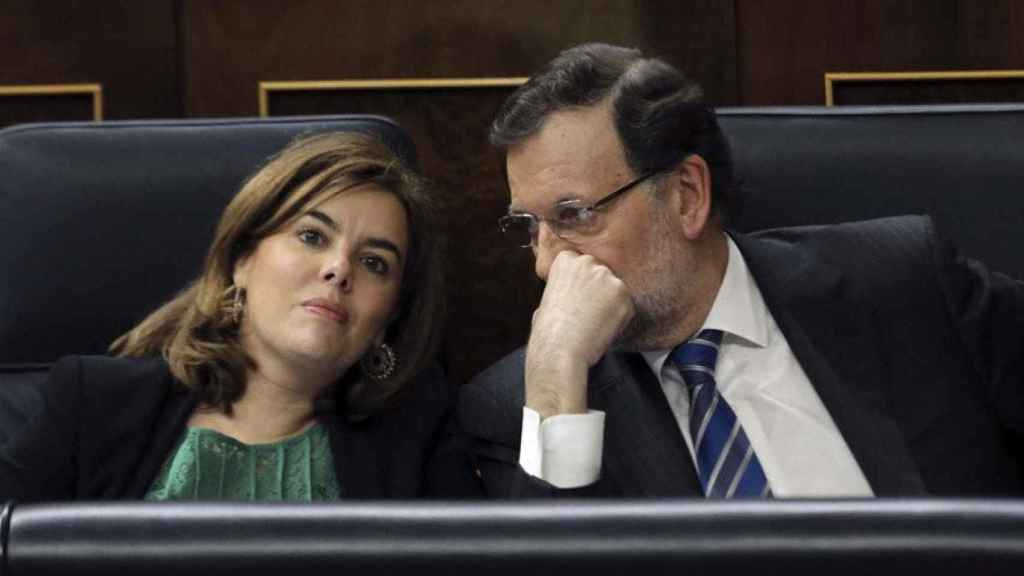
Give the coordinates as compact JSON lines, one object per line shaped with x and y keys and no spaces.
{"x":545,"y":248}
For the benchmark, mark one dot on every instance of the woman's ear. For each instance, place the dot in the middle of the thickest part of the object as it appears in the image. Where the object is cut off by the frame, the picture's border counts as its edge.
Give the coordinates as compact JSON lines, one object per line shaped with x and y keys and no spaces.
{"x":392,"y":319}
{"x":694,"y":179}
{"x":380,"y":337}
{"x":241,"y":272}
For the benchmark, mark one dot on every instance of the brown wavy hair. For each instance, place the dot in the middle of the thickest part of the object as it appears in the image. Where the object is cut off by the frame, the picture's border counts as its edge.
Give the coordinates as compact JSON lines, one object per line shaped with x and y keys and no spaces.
{"x":196,"y":333}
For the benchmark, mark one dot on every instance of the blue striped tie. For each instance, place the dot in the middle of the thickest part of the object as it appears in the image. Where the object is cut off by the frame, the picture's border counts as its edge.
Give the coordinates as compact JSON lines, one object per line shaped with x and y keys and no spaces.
{"x":726,"y":462}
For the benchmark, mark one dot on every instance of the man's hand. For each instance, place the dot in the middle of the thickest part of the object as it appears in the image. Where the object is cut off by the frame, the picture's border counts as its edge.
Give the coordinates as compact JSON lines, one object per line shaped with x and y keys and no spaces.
{"x":584,"y":308}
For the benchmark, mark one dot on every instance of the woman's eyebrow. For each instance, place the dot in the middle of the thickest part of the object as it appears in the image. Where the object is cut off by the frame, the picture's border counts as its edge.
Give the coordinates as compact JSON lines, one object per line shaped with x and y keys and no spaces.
{"x":327,"y":220}
{"x":385,"y":244}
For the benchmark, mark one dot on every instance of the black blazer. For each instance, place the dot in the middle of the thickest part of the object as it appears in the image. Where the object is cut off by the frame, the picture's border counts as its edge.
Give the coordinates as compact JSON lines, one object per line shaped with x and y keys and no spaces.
{"x":917,"y":354}
{"x":107,"y":425}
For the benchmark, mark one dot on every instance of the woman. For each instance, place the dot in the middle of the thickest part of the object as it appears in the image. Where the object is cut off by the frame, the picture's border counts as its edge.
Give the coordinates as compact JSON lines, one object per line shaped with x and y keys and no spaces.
{"x":297,"y":366}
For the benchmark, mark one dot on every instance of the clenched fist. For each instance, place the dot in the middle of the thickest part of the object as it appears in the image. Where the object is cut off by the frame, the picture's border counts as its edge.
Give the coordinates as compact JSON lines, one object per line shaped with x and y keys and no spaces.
{"x":584,"y":308}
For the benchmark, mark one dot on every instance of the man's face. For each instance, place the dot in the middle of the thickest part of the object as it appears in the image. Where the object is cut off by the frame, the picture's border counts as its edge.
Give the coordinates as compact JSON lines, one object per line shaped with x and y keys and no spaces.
{"x":577,"y":156}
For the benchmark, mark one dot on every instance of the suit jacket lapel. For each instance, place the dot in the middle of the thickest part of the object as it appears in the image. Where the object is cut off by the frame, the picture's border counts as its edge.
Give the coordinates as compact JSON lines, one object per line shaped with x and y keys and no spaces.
{"x":833,"y":334}
{"x":645,"y":453}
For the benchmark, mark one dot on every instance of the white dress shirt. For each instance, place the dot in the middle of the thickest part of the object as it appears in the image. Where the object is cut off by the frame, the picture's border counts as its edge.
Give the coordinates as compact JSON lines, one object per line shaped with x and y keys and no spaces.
{"x":800,"y":449}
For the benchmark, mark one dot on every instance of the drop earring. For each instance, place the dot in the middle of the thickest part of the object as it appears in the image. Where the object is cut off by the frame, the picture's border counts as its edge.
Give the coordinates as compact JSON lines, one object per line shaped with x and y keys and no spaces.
{"x":379,"y":364}
{"x":238,"y":306}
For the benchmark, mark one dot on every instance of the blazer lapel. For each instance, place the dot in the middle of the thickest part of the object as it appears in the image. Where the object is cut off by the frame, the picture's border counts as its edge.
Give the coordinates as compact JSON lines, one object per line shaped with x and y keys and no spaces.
{"x":167,"y":431}
{"x":833,"y":335}
{"x":645,"y":453}
{"x":357,"y":463}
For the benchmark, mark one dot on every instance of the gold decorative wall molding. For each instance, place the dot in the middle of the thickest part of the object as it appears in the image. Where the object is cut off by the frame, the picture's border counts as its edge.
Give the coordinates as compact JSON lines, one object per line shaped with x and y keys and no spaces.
{"x":265,"y":88}
{"x":833,"y":78}
{"x":95,"y":90}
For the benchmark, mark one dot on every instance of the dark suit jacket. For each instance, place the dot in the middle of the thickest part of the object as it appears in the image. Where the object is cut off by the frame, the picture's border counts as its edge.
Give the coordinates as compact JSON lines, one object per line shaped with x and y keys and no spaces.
{"x":917,"y":354}
{"x":108,"y":424}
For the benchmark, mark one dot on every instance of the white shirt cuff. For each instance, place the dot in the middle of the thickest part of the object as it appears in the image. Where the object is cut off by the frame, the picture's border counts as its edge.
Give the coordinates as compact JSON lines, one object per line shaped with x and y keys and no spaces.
{"x":563,"y":450}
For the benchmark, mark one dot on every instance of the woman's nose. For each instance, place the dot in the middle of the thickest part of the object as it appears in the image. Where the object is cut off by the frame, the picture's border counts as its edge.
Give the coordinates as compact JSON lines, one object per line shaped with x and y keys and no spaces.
{"x":337,"y":270}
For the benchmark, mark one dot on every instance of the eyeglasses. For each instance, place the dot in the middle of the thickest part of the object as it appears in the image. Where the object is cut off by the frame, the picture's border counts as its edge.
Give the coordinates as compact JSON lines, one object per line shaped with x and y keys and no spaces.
{"x":571,"y":221}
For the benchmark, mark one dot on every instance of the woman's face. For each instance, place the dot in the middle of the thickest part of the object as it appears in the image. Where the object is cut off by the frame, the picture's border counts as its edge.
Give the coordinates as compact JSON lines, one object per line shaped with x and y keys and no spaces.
{"x":321,"y":290}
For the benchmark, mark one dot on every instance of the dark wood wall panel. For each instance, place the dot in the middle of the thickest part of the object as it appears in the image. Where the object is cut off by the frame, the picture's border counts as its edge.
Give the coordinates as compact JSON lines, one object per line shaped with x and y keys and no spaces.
{"x":127,"y":46}
{"x":944,"y":91}
{"x":232,"y":45}
{"x":992,"y":31}
{"x":785,"y":47}
{"x":21,"y":108}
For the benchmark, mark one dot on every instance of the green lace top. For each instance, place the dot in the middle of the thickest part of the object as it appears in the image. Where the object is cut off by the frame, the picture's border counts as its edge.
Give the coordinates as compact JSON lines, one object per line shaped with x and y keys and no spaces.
{"x":208,"y":465}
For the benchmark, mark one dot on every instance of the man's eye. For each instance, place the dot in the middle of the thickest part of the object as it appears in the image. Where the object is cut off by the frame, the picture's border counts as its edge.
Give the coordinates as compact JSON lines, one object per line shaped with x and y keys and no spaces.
{"x":376,"y":264}
{"x":311,"y":237}
{"x":570,"y":215}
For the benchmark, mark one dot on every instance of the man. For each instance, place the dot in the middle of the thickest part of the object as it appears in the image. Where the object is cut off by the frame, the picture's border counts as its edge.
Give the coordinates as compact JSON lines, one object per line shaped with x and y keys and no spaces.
{"x":670,"y":356}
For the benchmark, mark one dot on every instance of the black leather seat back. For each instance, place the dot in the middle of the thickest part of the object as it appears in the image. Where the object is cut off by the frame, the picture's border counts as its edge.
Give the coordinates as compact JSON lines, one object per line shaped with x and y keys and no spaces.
{"x":962,"y":164}
{"x":20,"y":396}
{"x":100,"y":223}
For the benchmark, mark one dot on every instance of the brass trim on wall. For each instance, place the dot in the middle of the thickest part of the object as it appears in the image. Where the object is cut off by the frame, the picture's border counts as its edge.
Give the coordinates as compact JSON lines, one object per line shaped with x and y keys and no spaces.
{"x":265,"y":88}
{"x":831,"y":78}
{"x":96,"y":90}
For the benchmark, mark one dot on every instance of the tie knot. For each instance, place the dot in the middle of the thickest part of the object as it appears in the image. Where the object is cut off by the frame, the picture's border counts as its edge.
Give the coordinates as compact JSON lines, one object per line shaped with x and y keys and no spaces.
{"x":698,"y":354}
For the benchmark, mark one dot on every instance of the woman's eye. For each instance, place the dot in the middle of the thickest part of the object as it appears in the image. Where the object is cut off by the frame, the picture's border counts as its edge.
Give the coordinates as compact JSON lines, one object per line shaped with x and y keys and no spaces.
{"x":376,"y":264}
{"x":311,"y":237}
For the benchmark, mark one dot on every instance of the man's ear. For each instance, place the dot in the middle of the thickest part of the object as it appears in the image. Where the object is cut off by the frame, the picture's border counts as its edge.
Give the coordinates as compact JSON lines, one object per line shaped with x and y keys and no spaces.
{"x":694,"y":180}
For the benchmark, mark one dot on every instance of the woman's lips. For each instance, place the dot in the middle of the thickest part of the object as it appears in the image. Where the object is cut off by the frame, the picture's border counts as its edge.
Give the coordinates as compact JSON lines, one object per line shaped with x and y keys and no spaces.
{"x":327,"y":309}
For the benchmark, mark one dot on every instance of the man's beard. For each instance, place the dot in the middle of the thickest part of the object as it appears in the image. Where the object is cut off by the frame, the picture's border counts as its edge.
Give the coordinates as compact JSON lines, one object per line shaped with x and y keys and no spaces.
{"x":652,"y":325}
{"x":659,"y":295}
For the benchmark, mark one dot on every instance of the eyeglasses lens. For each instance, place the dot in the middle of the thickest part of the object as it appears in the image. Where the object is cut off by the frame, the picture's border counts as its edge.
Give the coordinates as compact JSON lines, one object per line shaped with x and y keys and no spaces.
{"x":517,"y":228}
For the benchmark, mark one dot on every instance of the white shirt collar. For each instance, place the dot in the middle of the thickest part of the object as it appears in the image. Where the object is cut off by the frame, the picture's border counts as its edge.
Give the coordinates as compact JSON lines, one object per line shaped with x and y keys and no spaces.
{"x":738,"y":310}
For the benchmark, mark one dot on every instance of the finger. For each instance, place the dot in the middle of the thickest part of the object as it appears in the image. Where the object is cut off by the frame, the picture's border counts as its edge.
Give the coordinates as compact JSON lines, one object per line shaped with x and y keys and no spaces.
{"x":563,"y":259}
